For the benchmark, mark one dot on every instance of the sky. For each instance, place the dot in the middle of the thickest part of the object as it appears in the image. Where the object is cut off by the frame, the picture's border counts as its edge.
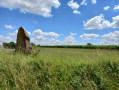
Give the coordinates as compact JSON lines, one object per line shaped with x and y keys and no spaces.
{"x":61,"y":22}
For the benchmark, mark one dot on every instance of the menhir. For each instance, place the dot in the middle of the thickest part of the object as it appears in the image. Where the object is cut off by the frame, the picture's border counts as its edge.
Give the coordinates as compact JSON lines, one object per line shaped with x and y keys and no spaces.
{"x":23,"y":42}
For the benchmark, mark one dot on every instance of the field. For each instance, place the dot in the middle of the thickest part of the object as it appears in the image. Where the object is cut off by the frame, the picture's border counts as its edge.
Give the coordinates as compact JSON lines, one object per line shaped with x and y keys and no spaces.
{"x":60,"y":68}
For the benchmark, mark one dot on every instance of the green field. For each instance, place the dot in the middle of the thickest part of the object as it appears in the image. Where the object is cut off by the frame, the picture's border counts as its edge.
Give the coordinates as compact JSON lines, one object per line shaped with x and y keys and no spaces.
{"x":60,"y":69}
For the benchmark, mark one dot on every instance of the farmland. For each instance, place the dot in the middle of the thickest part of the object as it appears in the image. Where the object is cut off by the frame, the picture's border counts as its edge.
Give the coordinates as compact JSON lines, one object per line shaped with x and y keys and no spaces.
{"x":60,"y":68}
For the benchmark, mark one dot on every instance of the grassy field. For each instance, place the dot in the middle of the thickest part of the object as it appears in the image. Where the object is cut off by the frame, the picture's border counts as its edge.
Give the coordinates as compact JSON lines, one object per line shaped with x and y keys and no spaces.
{"x":60,"y":69}
{"x":78,"y":56}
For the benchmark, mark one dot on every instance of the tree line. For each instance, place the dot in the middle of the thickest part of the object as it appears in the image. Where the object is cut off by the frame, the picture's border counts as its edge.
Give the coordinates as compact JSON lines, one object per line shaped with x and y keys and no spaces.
{"x":12,"y":45}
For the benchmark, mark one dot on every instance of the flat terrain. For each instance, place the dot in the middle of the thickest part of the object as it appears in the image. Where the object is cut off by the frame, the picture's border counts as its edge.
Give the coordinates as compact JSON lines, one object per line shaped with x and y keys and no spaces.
{"x":60,"y":68}
{"x":78,"y":56}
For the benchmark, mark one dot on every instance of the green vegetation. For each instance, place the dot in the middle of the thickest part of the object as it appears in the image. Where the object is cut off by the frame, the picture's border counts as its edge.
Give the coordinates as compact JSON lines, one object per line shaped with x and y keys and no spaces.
{"x":88,"y":46}
{"x":12,"y":45}
{"x":60,"y":69}
{"x":9,"y":45}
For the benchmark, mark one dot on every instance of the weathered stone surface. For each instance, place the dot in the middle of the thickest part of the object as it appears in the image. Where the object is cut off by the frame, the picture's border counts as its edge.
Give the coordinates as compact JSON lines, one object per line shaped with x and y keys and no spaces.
{"x":23,"y":41}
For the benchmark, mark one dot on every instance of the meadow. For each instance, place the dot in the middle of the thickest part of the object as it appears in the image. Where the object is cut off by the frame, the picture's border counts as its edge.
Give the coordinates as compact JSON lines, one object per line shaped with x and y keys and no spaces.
{"x":60,"y":69}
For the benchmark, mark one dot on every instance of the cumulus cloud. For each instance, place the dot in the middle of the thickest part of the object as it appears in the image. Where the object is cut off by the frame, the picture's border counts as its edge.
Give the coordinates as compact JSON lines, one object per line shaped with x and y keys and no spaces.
{"x":14,"y":34}
{"x":95,"y":23}
{"x":93,"y":1}
{"x":84,"y":2}
{"x":115,"y":23}
{"x":39,"y":32}
{"x":38,"y":40}
{"x":5,"y":39}
{"x":73,"y":34}
{"x":73,"y":5}
{"x":98,"y":22}
{"x":76,"y":12}
{"x":54,"y":42}
{"x":41,"y":40}
{"x":106,"y":24}
{"x":39,"y":7}
{"x":116,"y":7}
{"x":9,"y":27}
{"x":69,"y":40}
{"x":106,"y":8}
{"x":111,"y":38}
{"x":89,"y":36}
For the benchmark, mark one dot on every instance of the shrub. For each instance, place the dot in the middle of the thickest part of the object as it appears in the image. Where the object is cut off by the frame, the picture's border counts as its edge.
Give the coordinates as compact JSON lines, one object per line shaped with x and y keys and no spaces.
{"x":9,"y":45}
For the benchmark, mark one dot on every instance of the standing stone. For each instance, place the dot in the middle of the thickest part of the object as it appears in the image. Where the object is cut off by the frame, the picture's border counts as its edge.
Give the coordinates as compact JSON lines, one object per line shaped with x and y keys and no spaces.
{"x":23,"y":41}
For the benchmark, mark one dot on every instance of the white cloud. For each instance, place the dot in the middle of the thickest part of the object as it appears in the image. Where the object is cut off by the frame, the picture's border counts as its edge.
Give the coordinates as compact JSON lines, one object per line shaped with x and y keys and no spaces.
{"x":54,"y":42}
{"x":69,"y":40}
{"x":93,"y":1}
{"x":38,"y":40}
{"x":84,"y":2}
{"x":45,"y":41}
{"x":89,"y":36}
{"x":76,"y":12}
{"x":95,"y":23}
{"x":39,"y":32}
{"x":9,"y":27}
{"x":5,"y":39}
{"x":39,"y":7}
{"x":73,"y":5}
{"x":116,"y":7}
{"x":111,"y":38}
{"x":106,"y":24}
{"x":98,"y":22}
{"x":115,"y":23}
{"x":14,"y":34}
{"x":73,"y":34}
{"x":42,"y":40}
{"x":106,"y":8}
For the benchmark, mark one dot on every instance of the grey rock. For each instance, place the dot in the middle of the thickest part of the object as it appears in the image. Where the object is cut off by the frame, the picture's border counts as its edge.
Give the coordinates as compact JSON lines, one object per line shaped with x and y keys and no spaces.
{"x":23,"y":41}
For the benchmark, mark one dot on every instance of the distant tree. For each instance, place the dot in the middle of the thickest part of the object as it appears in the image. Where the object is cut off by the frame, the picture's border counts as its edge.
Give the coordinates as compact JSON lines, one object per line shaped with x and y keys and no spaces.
{"x":12,"y":45}
{"x":89,"y":44}
{"x":5,"y":44}
{"x":9,"y":45}
{"x":33,"y":45}
{"x":38,"y":45}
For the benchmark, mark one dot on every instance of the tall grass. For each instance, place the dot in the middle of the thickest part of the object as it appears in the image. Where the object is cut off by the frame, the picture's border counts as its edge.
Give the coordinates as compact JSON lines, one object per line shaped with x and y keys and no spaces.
{"x":55,"y":68}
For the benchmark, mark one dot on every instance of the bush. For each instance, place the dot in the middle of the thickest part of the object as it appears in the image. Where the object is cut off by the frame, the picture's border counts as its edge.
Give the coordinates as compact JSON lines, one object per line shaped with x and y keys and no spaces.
{"x":9,"y":45}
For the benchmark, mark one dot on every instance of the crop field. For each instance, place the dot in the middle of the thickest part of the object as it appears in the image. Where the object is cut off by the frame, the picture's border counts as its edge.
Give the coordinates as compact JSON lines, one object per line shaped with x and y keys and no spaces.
{"x":60,"y":69}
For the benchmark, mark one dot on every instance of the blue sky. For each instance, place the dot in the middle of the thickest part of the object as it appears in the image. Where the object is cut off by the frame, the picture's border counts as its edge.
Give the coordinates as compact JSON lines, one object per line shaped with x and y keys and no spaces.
{"x":61,"y":22}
